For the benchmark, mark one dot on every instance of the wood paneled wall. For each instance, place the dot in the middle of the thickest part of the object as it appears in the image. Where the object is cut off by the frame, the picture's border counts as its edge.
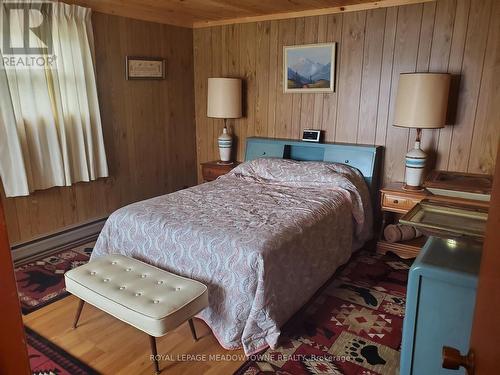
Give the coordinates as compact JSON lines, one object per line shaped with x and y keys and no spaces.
{"x":374,"y":47}
{"x":149,"y":131}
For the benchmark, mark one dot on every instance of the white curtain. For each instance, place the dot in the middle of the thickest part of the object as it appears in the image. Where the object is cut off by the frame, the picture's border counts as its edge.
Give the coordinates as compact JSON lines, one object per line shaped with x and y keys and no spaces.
{"x":50,"y":126}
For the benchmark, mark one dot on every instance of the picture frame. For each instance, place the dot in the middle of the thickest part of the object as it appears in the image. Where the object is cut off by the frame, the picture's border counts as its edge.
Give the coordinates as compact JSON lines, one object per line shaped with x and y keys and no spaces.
{"x":309,"y":68}
{"x":139,"y":68}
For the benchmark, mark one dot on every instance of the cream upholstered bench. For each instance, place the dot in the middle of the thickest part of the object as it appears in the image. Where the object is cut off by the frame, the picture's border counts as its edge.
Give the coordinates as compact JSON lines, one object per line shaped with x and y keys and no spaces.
{"x":146,"y":297}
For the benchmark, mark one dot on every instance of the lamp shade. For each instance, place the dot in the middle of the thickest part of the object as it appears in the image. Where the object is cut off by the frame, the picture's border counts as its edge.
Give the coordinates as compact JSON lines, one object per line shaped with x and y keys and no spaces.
{"x":422,"y":100}
{"x":224,"y":98}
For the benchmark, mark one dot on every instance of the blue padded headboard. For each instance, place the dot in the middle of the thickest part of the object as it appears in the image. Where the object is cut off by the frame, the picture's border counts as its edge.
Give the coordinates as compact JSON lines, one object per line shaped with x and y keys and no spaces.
{"x":366,"y":159}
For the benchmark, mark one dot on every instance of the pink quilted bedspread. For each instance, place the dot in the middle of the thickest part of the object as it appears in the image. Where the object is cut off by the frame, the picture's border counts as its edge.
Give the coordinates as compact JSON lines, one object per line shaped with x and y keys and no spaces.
{"x":263,"y":238}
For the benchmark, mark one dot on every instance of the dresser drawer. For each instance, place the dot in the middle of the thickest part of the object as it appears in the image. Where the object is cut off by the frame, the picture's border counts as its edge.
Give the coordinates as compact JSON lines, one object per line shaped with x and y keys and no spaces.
{"x":398,"y":203}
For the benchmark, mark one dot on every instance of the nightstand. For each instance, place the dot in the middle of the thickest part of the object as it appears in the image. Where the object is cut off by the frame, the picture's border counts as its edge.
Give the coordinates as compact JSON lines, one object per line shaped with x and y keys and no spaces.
{"x":211,"y":170}
{"x":394,"y":203}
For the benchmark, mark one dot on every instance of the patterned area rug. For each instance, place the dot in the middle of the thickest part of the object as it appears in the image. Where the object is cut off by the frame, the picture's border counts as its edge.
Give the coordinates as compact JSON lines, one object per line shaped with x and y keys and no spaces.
{"x":353,"y":327}
{"x":48,"y":359}
{"x":41,"y":281}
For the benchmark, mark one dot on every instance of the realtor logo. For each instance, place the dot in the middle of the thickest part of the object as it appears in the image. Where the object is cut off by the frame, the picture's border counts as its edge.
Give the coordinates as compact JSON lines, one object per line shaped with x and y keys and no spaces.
{"x":27,"y":28}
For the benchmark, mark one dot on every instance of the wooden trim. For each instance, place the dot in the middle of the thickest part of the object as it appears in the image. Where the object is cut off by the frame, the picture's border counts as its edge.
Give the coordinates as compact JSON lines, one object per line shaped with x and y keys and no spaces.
{"x":308,"y":13}
{"x":72,"y":236}
{"x":13,"y":353}
{"x":485,"y":328}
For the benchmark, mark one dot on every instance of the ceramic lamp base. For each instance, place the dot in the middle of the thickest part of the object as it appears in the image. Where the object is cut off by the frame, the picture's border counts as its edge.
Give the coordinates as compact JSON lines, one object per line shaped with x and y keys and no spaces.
{"x":415,"y":165}
{"x":225,"y":142}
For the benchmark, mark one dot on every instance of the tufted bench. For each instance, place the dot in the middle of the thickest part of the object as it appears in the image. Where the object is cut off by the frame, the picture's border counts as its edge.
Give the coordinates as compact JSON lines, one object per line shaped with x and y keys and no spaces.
{"x":146,"y":297}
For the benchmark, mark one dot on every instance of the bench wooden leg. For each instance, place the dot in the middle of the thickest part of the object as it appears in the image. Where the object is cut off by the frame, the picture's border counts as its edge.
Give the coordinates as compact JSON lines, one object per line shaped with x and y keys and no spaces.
{"x":152,"y":341}
{"x":78,"y":312}
{"x":193,"y":331}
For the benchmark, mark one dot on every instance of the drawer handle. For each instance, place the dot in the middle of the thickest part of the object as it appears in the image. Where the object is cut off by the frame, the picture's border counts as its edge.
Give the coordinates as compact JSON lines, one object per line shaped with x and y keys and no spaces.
{"x":346,"y":162}
{"x":395,"y":201}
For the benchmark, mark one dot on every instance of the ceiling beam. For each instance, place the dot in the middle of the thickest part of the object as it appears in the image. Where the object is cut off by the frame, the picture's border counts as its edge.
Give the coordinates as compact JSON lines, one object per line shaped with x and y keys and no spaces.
{"x":185,"y":17}
{"x":308,"y":13}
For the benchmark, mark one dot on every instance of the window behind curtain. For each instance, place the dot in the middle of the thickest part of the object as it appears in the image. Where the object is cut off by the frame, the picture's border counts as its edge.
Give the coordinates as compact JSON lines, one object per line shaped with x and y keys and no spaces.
{"x":50,"y":125}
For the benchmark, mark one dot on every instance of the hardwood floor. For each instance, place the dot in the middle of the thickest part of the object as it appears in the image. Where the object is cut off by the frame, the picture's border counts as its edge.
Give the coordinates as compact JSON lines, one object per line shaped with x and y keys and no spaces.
{"x":113,"y":347}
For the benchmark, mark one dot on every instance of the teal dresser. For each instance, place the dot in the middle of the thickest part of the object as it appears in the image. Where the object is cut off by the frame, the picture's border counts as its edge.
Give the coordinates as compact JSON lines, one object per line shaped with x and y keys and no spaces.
{"x":439,"y":305}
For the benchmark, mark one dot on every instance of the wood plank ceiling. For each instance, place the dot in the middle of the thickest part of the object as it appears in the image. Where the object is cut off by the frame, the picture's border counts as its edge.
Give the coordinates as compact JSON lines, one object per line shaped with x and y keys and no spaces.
{"x":205,"y":13}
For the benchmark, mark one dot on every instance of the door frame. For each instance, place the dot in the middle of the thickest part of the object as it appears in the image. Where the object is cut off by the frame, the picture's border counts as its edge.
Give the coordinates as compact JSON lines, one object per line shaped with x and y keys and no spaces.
{"x":13,"y":350}
{"x":485,"y":337}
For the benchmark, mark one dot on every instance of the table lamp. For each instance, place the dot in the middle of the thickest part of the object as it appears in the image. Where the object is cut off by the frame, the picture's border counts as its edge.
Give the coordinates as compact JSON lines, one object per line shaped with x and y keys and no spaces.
{"x":224,"y":101}
{"x":421,"y":103}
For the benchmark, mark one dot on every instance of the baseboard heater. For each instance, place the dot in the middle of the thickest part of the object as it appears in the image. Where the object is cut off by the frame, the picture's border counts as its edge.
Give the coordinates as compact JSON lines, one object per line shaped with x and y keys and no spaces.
{"x":72,"y":236}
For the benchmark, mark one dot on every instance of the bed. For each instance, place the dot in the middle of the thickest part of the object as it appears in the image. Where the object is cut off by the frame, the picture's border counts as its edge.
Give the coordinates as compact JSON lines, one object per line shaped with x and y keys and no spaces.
{"x":263,"y":238}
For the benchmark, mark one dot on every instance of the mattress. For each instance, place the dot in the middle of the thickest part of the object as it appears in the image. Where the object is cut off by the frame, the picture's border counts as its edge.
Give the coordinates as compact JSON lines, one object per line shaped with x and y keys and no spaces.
{"x":263,"y":238}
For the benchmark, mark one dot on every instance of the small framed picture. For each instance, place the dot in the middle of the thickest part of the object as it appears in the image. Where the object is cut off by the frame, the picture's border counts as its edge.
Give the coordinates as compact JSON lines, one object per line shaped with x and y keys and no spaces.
{"x":309,"y":68}
{"x":145,"y":68}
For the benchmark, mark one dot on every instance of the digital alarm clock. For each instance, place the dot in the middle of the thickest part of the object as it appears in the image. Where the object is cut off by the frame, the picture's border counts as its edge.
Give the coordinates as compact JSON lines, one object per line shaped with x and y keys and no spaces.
{"x":311,"y":135}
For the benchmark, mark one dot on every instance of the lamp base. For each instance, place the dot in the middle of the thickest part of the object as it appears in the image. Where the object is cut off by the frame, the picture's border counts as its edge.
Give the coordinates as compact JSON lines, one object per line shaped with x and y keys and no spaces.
{"x":225,"y":142}
{"x":220,"y":162}
{"x":415,"y":166}
{"x":412,"y":188}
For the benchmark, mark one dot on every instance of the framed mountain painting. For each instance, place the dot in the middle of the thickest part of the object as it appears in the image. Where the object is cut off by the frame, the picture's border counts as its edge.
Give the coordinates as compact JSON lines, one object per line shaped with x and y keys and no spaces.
{"x":309,"y":68}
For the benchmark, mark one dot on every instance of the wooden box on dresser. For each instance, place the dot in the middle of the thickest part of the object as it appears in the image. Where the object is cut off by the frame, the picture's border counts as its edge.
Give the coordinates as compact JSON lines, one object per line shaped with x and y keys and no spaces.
{"x":395,"y":202}
{"x":210,"y":170}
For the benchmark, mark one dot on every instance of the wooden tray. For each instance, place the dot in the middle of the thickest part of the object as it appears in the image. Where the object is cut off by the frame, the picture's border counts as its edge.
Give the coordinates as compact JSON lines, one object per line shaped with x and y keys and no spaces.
{"x":461,"y":185}
{"x":447,"y":220}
